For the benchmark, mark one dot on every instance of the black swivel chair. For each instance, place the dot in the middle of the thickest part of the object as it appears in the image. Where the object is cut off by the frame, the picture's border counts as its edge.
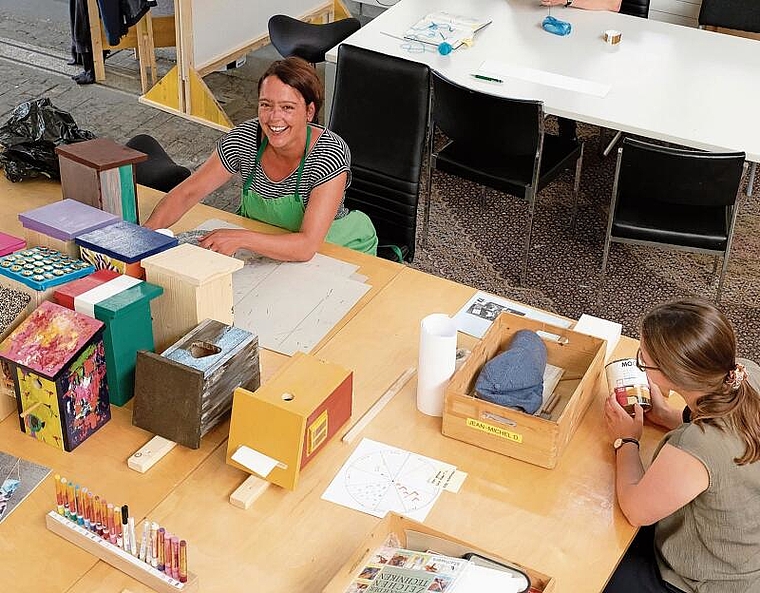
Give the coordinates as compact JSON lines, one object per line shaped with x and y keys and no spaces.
{"x":159,"y":171}
{"x":381,"y":109}
{"x":675,"y":198}
{"x":309,"y":41}
{"x":513,"y":155}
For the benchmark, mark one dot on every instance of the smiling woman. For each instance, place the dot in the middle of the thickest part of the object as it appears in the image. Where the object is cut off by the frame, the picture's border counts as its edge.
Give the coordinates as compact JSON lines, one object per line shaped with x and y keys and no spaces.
{"x":294,"y":172}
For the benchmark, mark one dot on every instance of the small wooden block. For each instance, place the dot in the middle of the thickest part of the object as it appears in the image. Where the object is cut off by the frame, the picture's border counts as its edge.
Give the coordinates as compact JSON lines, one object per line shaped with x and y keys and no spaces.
{"x":248,"y":492}
{"x":150,"y":454}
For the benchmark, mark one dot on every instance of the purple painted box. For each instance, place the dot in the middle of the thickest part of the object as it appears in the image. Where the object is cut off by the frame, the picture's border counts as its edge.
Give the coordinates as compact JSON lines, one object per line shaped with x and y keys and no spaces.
{"x":66,"y":219}
{"x":9,"y":244}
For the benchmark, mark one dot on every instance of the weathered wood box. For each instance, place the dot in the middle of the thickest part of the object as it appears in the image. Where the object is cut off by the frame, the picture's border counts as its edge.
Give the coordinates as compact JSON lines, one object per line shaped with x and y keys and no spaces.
{"x":187,"y":390}
{"x":292,"y":416}
{"x":529,"y":438}
{"x":57,"y":360}
{"x":100,"y":173}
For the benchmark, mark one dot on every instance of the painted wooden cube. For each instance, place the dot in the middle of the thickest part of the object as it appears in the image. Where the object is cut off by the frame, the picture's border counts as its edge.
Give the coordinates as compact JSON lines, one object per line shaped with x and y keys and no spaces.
{"x":122,"y":246}
{"x":9,"y":244}
{"x":57,"y":359}
{"x":122,"y":303}
{"x":197,"y":285}
{"x":100,"y":173}
{"x":187,"y":390}
{"x":289,"y":419}
{"x":56,"y":225}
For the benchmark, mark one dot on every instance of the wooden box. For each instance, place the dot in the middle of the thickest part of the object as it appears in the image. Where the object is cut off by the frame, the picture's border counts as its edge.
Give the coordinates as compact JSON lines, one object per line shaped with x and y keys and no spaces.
{"x":100,"y":173}
{"x":57,"y":359}
{"x":122,"y":303}
{"x":122,"y":246}
{"x":292,"y":416}
{"x":413,"y":535}
{"x":197,"y":285}
{"x":56,"y":225}
{"x":9,"y":244}
{"x":187,"y":390}
{"x":529,"y":438}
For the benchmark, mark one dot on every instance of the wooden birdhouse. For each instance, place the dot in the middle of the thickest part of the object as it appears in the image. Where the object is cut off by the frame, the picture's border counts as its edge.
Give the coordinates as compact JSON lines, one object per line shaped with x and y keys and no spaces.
{"x":100,"y":173}
{"x":122,"y":303}
{"x":57,"y":359}
{"x":197,"y":285}
{"x":56,"y":225}
{"x":289,"y":419}
{"x":187,"y":390}
{"x":122,"y":246}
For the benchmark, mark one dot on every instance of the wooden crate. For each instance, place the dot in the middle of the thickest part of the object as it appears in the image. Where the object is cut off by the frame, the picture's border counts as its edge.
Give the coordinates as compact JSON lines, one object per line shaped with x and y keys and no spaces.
{"x":418,"y":536}
{"x":529,"y":438}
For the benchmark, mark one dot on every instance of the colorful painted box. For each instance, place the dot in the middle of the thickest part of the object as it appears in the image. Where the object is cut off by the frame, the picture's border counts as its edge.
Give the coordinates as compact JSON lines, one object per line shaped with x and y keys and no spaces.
{"x":56,"y":225}
{"x":9,"y":244}
{"x":57,"y":359}
{"x":122,"y":246}
{"x":122,"y":303}
{"x":100,"y":173}
{"x":197,"y":285}
{"x":187,"y":390}
{"x":290,"y":418}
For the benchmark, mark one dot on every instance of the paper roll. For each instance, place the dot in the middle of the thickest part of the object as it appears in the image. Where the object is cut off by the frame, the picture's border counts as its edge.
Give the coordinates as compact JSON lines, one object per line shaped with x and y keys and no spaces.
{"x":438,"y":348}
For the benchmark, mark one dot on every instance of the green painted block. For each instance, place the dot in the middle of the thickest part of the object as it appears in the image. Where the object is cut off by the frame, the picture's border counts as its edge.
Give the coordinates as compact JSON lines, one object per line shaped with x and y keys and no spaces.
{"x":129,"y":328}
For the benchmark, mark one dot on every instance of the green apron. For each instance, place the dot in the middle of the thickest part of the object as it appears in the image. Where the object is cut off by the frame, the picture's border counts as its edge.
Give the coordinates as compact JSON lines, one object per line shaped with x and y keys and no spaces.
{"x":355,"y":230}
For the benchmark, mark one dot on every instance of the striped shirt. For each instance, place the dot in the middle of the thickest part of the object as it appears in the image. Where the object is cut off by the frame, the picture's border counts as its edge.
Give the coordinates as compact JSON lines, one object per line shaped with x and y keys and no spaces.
{"x":328,"y":158}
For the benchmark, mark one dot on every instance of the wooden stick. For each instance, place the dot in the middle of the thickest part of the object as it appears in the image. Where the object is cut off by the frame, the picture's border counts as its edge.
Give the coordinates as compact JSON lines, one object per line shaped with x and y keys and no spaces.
{"x":381,"y":402}
{"x":29,"y":410}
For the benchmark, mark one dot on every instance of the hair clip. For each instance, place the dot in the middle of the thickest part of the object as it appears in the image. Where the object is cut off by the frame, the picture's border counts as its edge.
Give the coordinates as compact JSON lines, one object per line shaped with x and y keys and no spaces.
{"x":735,"y":376}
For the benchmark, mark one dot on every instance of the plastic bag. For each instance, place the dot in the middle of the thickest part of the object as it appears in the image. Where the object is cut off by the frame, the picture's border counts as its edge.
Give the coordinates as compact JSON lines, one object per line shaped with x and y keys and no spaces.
{"x":30,"y":136}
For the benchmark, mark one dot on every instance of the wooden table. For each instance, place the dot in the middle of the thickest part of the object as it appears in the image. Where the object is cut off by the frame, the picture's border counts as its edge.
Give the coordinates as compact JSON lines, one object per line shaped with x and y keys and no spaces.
{"x":562,"y":522}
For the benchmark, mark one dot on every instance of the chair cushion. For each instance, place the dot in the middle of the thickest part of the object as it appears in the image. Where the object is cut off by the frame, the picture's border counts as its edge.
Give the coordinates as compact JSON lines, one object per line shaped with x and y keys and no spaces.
{"x":159,"y":171}
{"x":309,"y":41}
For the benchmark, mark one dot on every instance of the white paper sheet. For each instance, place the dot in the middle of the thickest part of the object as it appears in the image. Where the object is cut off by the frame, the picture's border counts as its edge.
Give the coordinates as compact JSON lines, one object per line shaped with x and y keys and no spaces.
{"x":600,"y":328}
{"x":570,"y":83}
{"x":437,"y":361}
{"x":378,"y":478}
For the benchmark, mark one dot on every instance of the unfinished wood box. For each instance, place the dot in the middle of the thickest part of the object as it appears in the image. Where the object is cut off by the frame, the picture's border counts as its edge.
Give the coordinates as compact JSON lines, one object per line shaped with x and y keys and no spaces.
{"x":100,"y":173}
{"x":413,"y":535}
{"x":197,"y":285}
{"x":529,"y":438}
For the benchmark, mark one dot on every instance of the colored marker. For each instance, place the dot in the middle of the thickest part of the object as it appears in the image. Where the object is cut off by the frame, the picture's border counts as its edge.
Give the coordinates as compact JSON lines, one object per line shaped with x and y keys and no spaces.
{"x":168,"y":554}
{"x":65,"y":497}
{"x":96,"y":518}
{"x":82,"y":502}
{"x":145,"y":541}
{"x":160,"y":544}
{"x":111,"y":535}
{"x":72,"y":501}
{"x":154,"y":544}
{"x":175,"y":557}
{"x":59,"y":496}
{"x":132,"y":537}
{"x":117,"y":525}
{"x":80,"y":494}
{"x":486,"y":78}
{"x":89,"y":508}
{"x":126,"y":546}
{"x":183,"y":561}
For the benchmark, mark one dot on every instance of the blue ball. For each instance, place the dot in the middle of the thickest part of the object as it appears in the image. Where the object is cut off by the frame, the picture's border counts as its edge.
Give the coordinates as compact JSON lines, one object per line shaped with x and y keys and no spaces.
{"x":444,"y":48}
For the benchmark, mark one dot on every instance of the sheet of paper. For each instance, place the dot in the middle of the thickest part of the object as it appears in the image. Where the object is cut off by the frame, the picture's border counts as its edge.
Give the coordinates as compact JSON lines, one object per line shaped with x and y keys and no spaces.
{"x":570,"y":83}
{"x":477,"y":314}
{"x":378,"y":478}
{"x":18,"y":478}
{"x":480,"y":578}
{"x":600,"y":328}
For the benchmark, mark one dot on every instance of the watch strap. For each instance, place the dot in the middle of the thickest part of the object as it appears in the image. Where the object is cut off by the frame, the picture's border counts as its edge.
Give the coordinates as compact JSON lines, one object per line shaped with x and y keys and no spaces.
{"x":628,"y":440}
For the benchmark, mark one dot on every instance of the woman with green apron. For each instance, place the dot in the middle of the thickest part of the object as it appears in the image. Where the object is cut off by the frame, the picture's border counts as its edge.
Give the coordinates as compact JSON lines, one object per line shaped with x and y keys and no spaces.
{"x":294,"y":173}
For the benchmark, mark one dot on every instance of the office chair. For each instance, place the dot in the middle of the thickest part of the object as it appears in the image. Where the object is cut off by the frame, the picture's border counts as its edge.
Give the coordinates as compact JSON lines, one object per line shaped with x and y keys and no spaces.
{"x":159,"y":171}
{"x":309,"y":41}
{"x":674,"y":198}
{"x":514,"y":156}
{"x":740,"y":15}
{"x":381,"y":108}
{"x":639,"y":8}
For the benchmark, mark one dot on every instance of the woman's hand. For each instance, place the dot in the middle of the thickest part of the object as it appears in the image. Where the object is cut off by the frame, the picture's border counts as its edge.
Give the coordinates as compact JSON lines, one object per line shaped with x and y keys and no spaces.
{"x":620,"y":424}
{"x":225,"y":241}
{"x":552,"y":2}
{"x":661,"y":412}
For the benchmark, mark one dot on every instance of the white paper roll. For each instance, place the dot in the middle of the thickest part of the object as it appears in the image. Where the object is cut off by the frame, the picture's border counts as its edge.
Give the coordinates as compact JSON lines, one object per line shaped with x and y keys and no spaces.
{"x":438,"y":348}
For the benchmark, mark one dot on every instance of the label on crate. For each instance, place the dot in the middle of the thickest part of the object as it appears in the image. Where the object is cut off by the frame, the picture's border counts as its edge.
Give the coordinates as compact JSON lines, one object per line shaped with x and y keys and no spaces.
{"x":494,"y":430}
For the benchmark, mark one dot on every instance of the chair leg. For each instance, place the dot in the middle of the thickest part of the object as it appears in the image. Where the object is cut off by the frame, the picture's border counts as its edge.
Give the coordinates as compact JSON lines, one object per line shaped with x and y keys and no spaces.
{"x":605,"y":255}
{"x":576,"y":188}
{"x":751,"y":182}
{"x":611,"y":145}
{"x":531,"y":211}
{"x":428,"y":198}
{"x":722,"y":278}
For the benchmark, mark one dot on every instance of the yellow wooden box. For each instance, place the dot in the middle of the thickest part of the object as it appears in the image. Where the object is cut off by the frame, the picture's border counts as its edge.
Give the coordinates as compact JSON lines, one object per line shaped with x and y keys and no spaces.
{"x":529,"y":438}
{"x":418,"y":536}
{"x":292,"y":416}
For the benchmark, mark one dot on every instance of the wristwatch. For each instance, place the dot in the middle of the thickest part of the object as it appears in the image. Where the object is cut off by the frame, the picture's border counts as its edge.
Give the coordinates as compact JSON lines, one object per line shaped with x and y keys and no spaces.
{"x":568,"y":3}
{"x":620,"y":442}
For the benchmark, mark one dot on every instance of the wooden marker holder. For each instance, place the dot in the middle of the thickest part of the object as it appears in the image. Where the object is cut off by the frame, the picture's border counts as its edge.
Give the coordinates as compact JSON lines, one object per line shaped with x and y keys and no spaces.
{"x":118,"y":558}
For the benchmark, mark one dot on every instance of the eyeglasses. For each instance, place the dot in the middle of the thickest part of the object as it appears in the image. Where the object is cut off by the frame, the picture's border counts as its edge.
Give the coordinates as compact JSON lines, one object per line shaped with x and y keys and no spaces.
{"x":640,"y":363}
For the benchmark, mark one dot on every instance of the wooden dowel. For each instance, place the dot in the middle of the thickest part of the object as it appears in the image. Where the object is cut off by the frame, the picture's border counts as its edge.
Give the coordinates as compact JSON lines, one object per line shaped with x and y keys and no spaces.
{"x":381,"y":402}
{"x":29,"y":410}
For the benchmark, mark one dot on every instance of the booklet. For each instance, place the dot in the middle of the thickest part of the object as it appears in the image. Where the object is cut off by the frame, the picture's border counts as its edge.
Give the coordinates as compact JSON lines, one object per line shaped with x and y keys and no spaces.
{"x":437,"y":27}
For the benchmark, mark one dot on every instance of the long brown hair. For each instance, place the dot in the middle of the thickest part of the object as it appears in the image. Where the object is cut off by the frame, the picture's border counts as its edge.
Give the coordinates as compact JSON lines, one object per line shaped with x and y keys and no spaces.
{"x":693,"y":344}
{"x":299,"y":74}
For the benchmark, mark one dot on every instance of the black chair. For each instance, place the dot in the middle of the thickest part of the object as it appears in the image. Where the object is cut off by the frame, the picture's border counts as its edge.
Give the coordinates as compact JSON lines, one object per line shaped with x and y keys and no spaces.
{"x":381,"y":108}
{"x":159,"y":171}
{"x":675,"y":198}
{"x":512,"y":154}
{"x":309,"y":41}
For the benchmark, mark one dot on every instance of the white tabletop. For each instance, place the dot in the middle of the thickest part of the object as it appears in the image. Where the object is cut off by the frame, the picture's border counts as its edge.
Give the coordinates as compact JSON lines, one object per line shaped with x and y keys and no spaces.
{"x":669,"y":82}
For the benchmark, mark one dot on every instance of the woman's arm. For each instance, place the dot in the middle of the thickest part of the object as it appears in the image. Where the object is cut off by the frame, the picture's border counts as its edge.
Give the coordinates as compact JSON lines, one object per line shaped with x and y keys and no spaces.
{"x":301,"y":245}
{"x":210,"y":176}
{"x":661,"y":412}
{"x":611,"y":5}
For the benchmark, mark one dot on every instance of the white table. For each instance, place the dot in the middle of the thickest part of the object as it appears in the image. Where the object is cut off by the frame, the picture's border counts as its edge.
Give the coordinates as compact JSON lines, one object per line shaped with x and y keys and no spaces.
{"x":673,"y":83}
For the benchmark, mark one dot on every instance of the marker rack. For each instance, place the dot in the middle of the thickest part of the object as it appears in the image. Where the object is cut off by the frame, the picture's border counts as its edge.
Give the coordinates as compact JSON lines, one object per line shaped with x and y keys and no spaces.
{"x":118,"y":558}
